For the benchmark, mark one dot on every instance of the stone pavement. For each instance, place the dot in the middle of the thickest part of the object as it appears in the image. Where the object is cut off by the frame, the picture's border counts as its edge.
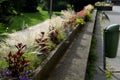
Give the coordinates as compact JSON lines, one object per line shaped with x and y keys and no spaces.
{"x":99,"y":72}
{"x":112,"y":63}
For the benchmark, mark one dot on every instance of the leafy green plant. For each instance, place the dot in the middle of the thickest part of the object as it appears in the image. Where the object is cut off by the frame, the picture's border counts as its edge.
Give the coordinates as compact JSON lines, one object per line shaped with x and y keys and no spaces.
{"x":108,"y":75}
{"x":51,"y":45}
{"x":80,"y":21}
{"x":3,"y":65}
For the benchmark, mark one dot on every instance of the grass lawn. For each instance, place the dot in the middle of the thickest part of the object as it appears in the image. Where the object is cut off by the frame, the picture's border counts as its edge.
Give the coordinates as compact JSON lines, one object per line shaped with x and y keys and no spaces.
{"x":26,"y":20}
{"x":29,"y":19}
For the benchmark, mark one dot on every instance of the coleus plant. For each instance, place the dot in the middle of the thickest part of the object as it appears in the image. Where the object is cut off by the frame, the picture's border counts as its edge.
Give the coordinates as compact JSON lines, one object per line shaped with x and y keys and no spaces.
{"x":16,"y":64}
{"x":43,"y":44}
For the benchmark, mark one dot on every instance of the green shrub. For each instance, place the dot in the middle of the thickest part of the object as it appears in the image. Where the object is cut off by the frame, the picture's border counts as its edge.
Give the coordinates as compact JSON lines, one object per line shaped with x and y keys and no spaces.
{"x":30,"y":6}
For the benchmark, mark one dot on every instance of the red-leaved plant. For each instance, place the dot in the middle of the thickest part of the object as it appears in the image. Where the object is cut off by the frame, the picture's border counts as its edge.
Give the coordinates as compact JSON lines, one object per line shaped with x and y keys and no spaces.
{"x":16,"y":62}
{"x":42,"y":43}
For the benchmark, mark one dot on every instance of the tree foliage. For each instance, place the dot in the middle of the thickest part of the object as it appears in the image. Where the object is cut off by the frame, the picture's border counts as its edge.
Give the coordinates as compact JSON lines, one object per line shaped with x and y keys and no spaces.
{"x":57,"y":5}
{"x":79,"y":4}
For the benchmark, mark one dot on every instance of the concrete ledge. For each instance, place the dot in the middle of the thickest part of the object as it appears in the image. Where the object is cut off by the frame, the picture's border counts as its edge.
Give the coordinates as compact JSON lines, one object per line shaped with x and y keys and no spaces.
{"x":73,"y":65}
{"x":104,"y":8}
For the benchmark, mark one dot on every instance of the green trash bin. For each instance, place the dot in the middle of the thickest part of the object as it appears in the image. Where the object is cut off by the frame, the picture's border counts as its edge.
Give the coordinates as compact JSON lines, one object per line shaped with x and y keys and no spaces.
{"x":111,"y":39}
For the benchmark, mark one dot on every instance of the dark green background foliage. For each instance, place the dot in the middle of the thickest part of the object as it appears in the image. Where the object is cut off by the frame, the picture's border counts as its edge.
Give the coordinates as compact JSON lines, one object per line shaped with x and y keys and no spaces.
{"x":62,"y":4}
{"x":30,"y":5}
{"x":57,"y":5}
{"x":79,"y":4}
{"x":16,"y":7}
{"x":7,"y":6}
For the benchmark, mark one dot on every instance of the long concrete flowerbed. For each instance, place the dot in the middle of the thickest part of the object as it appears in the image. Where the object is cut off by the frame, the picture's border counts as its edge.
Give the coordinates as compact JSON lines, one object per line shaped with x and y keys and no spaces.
{"x":34,"y":52}
{"x":49,"y":64}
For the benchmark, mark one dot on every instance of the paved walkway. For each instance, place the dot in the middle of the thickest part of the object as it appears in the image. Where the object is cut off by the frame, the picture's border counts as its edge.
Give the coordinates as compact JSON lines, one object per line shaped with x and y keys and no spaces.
{"x":99,"y":72}
{"x":112,"y":64}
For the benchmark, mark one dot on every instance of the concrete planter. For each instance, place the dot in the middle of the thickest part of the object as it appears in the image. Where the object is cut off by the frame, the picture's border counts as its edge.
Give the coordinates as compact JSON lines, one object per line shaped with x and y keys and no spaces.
{"x":104,"y":8}
{"x":43,"y":70}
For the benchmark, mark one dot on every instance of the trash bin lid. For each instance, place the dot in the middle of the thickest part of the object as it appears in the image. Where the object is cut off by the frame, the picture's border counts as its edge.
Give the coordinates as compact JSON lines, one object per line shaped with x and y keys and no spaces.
{"x":113,"y":27}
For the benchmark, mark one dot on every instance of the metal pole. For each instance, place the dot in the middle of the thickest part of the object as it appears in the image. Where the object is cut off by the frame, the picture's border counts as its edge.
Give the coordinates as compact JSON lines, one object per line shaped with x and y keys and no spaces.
{"x":50,"y":8}
{"x":104,"y":55}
